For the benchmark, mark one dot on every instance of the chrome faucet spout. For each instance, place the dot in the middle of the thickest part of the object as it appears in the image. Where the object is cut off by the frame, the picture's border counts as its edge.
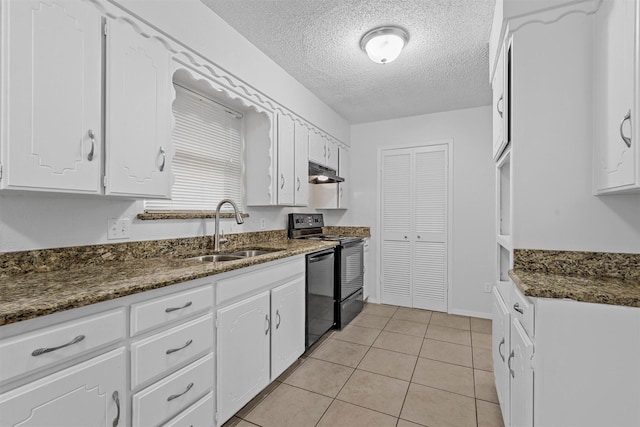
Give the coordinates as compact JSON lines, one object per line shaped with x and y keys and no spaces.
{"x":239,"y":220}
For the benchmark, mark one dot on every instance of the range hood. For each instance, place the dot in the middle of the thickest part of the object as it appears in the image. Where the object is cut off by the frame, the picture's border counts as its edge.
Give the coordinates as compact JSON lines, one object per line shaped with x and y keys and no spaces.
{"x":319,"y":174}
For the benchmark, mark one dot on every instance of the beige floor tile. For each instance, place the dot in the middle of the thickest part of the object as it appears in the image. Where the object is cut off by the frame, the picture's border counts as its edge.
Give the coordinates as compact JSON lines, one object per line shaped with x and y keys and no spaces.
{"x":406,"y":327}
{"x":485,"y":386}
{"x":451,"y":321}
{"x":290,"y":370}
{"x":453,"y":335}
{"x":370,"y":321}
{"x":289,"y":406}
{"x":242,"y":413}
{"x":405,"y":423}
{"x":437,"y":408}
{"x":389,"y":363}
{"x":480,"y":340}
{"x":341,"y":352}
{"x":382,"y":310}
{"x":320,"y":377}
{"x":343,"y":414}
{"x":413,"y":315}
{"x":398,"y":342}
{"x":489,"y":414}
{"x":482,"y":359}
{"x":375,"y":392}
{"x":447,"y":352}
{"x":237,"y":422}
{"x":356,"y":334}
{"x":481,"y":325}
{"x":444,"y":376}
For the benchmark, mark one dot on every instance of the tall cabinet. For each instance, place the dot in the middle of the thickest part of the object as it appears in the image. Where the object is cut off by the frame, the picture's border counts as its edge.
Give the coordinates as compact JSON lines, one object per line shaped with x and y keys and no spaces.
{"x":414,"y":218}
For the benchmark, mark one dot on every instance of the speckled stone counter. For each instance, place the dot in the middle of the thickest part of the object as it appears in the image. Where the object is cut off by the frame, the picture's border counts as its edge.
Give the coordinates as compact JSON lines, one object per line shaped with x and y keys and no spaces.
{"x":37,"y":283}
{"x":602,"y":278}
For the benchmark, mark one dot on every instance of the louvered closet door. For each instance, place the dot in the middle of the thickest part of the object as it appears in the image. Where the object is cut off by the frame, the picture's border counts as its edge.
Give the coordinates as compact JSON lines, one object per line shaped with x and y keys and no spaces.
{"x":396,"y":227}
{"x":430,"y":245}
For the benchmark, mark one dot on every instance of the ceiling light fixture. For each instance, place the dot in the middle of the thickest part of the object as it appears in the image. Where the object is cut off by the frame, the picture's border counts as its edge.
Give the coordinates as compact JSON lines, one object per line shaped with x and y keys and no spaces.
{"x":384,"y":44}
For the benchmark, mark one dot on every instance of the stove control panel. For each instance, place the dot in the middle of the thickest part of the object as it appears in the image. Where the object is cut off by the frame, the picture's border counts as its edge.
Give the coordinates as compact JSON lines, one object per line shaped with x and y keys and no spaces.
{"x":298,"y":221}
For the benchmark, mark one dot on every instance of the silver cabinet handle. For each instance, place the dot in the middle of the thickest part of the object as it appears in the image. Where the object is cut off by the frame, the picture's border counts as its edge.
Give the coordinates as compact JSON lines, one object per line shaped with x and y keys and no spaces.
{"x":277,"y":319}
{"x":626,"y":139}
{"x":517,"y":308}
{"x":92,"y":136}
{"x":325,"y":151}
{"x":40,"y":351}
{"x":116,"y":398}
{"x":164,"y":158}
{"x":173,"y":350}
{"x":511,"y":356}
{"x":266,"y":318}
{"x":328,"y":152}
{"x":341,"y":192}
{"x":175,"y":396}
{"x":298,"y":179}
{"x":281,"y":181}
{"x":500,"y":349}
{"x":170,"y":309}
{"x":501,"y":112}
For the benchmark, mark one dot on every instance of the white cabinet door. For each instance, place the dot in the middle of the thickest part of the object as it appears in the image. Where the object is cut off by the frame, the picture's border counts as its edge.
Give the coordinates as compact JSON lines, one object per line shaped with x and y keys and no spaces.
{"x":243,"y":353}
{"x":344,"y":196}
{"x":92,"y":393}
{"x":301,"y":165}
{"x":521,"y":371}
{"x":286,"y":160}
{"x":317,"y":148}
{"x":498,"y":106}
{"x":333,"y":154}
{"x":138,"y":114}
{"x":52,"y":60}
{"x":616,"y":159}
{"x":501,"y":342}
{"x":287,"y":325}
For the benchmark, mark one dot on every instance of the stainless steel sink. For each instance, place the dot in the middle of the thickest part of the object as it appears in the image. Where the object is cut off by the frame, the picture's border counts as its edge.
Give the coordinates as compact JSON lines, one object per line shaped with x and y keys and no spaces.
{"x":251,"y":252}
{"x":216,"y":258}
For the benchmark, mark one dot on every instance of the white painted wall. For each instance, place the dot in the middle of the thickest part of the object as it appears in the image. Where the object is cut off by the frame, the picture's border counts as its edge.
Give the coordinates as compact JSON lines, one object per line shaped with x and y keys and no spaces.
{"x":472,"y":192}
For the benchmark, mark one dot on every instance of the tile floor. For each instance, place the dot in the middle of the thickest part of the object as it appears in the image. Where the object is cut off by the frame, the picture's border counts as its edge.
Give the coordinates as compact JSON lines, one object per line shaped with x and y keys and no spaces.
{"x":392,"y":366}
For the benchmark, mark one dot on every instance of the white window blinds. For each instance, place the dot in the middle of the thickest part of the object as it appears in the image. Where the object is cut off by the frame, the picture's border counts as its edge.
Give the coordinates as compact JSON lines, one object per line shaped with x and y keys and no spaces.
{"x":208,"y":150}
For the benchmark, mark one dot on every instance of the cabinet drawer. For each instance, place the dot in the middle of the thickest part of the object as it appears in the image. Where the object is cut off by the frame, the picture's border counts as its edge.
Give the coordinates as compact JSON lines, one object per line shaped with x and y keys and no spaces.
{"x":159,"y":311}
{"x":522,"y":309}
{"x":161,"y":352}
{"x":47,"y":346}
{"x":228,"y":289}
{"x":200,"y":414}
{"x":173,"y":394}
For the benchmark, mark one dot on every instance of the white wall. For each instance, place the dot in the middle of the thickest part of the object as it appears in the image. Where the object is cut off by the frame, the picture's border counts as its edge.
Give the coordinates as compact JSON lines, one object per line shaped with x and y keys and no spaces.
{"x":472,"y":191}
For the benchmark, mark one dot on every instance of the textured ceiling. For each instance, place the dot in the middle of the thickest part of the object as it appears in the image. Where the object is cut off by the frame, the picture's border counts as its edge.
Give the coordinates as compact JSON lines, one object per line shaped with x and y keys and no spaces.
{"x":443,"y":67}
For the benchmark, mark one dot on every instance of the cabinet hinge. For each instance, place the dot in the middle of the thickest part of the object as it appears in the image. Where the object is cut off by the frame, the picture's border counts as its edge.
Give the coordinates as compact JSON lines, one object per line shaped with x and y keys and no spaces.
{"x":217,"y":416}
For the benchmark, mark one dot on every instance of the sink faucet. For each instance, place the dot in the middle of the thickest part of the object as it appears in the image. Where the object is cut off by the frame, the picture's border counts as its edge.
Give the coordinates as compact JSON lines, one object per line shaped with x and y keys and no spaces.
{"x":239,"y":220}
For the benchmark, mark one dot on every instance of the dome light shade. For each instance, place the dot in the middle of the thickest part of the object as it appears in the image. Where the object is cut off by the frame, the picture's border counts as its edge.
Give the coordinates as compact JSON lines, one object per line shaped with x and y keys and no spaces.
{"x":384,"y":44}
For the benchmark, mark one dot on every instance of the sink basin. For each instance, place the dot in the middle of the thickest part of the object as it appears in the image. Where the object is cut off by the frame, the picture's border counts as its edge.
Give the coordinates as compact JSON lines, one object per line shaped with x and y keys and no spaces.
{"x":251,"y":253}
{"x":217,"y":258}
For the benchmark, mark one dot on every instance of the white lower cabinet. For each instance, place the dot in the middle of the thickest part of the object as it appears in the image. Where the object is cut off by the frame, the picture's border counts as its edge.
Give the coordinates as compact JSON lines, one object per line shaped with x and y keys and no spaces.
{"x":579,"y":369}
{"x":259,"y":336}
{"x":92,"y":393}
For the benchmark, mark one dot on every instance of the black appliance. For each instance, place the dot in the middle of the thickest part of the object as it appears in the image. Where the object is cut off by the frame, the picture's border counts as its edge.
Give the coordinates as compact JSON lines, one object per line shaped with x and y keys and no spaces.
{"x":349,"y":264}
{"x":320,"y":301}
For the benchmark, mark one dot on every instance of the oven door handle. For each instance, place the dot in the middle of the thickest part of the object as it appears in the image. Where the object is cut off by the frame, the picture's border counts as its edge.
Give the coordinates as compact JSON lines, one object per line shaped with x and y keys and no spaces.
{"x":320,"y":258}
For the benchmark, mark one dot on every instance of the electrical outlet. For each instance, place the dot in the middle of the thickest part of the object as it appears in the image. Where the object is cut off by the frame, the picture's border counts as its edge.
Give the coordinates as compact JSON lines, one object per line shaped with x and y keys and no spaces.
{"x":118,"y":228}
{"x":263,"y":224}
{"x":487,"y":287}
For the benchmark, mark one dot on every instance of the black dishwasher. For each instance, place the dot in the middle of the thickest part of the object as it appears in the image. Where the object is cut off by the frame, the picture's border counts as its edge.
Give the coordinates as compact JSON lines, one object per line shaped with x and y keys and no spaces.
{"x":320,"y":294}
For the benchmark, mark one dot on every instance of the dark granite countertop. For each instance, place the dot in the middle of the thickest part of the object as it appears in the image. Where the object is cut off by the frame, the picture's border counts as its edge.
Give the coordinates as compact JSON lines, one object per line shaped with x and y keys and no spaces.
{"x":37,"y":283}
{"x":601,"y":278}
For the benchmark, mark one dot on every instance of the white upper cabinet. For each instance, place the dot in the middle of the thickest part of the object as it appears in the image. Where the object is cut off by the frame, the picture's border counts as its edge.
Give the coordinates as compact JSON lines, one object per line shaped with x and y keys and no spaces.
{"x":138,"y":113}
{"x":333,"y":154}
{"x":498,"y":87}
{"x":301,"y":197}
{"x":334,"y":195}
{"x":286,"y":159}
{"x":617,"y":158}
{"x":323,"y":150}
{"x":51,"y":85}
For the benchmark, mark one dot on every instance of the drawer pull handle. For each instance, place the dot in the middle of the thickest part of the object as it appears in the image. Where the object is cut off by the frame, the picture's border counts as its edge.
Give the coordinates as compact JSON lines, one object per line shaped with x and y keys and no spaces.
{"x":173,"y":350}
{"x":626,"y":139}
{"x":175,"y":396}
{"x":277,"y":319}
{"x":40,"y":351}
{"x":116,"y":398}
{"x":511,"y":356}
{"x":170,"y":309}
{"x":268,"y":324}
{"x":499,"y":349}
{"x":517,"y":308}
